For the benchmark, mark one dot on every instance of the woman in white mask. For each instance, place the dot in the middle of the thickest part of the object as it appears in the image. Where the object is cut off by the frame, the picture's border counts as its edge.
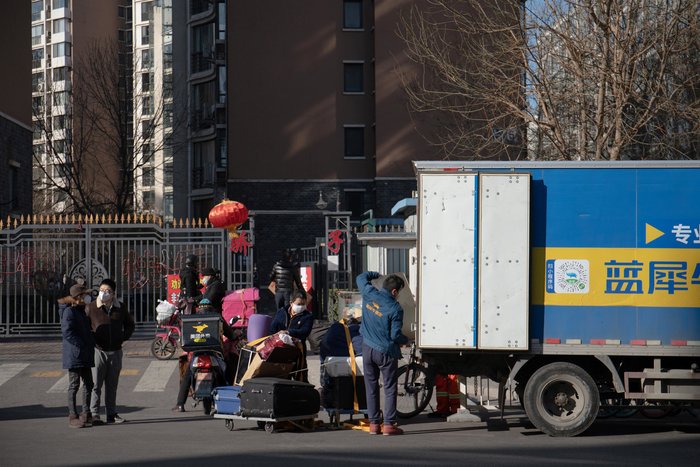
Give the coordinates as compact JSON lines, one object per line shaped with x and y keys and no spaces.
{"x":296,"y":321}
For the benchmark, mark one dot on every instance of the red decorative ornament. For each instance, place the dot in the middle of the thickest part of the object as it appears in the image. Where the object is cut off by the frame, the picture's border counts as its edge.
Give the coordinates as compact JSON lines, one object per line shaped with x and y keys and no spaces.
{"x":229,"y":215}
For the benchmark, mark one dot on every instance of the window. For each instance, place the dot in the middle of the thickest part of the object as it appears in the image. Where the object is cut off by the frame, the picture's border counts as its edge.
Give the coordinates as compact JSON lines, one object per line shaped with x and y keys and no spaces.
{"x":61,"y":74}
{"x":168,"y":174}
{"x":168,"y":205}
{"x":38,"y":104}
{"x":37,"y":32}
{"x":145,"y":82}
{"x":352,"y":14}
{"x":222,"y":147}
{"x":60,"y":98}
{"x":60,"y":4}
{"x":222,"y":85}
{"x":221,"y":20}
{"x":202,"y":173}
{"x":202,"y":46}
{"x":62,"y":49}
{"x":37,"y":57}
{"x":37,"y":9}
{"x":146,"y":11}
{"x":146,"y":56}
{"x":120,"y":12}
{"x":59,"y":122}
{"x":353,"y":77}
{"x":121,"y":35}
{"x":396,"y":260}
{"x":147,"y":129}
{"x":147,"y":153}
{"x":354,"y":141}
{"x":37,"y":81}
{"x":149,"y":200}
{"x":145,"y":35}
{"x":148,"y":178}
{"x":200,"y":6}
{"x":59,"y":146}
{"x":60,"y":25}
{"x":147,"y":105}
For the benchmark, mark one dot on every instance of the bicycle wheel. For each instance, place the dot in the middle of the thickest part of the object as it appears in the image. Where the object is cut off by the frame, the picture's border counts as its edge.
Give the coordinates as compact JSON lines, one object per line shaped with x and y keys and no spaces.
{"x":414,"y":388}
{"x":163,"y":349}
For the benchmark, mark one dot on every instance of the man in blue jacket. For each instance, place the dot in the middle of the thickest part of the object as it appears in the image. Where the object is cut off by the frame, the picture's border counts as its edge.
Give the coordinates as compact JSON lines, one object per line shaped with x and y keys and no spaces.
{"x":382,"y":319}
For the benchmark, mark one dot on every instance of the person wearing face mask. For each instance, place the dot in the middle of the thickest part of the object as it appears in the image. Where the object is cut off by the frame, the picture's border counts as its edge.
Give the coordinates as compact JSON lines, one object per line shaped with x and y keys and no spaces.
{"x":215,"y":289}
{"x":78,"y":352}
{"x":296,"y":321}
{"x":382,"y":320}
{"x":111,"y":325}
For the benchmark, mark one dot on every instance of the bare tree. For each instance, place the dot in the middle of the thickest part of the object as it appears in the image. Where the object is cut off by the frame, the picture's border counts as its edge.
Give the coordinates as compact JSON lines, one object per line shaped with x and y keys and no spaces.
{"x":94,"y":153}
{"x":576,"y":79}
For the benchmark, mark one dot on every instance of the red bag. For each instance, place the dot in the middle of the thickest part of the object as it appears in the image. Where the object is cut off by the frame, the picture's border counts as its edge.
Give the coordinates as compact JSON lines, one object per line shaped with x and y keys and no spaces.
{"x":276,"y":340}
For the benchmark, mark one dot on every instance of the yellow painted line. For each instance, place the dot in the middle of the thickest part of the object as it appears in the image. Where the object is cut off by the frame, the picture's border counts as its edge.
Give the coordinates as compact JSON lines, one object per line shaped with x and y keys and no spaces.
{"x":129,"y":372}
{"x":47,"y":374}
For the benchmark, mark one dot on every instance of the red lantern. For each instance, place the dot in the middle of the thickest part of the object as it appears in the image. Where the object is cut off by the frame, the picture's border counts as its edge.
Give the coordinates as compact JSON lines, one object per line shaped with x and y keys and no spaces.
{"x":229,"y":215}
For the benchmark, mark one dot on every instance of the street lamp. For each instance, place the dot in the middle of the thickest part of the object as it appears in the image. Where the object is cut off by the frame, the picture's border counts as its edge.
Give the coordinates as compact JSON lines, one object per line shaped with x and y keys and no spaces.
{"x":321,"y":203}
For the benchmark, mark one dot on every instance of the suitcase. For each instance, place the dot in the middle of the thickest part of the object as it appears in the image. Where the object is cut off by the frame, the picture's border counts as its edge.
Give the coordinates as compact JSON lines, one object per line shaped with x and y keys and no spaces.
{"x":278,"y":398}
{"x":226,"y":399}
{"x":202,"y":331}
{"x":342,"y":397}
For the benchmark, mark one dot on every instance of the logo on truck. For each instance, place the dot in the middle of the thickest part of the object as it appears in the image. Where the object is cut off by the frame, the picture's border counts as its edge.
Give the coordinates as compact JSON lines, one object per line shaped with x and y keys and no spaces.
{"x":568,"y":276}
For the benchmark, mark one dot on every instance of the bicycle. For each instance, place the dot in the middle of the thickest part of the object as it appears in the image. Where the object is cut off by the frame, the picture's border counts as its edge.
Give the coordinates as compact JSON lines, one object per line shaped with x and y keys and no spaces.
{"x":415,"y":386}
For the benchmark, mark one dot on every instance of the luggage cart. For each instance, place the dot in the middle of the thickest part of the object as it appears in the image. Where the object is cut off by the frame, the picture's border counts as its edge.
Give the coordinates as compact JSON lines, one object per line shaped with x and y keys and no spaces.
{"x":343,"y":401}
{"x":303,"y":422}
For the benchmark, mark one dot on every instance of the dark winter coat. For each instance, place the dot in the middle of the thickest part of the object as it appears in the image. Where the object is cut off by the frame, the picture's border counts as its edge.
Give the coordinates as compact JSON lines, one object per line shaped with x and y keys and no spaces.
{"x":110,"y":327}
{"x":298,"y":326}
{"x":335,"y":342}
{"x":189,"y":283}
{"x":215,"y":292}
{"x":78,"y":343}
{"x":285,"y":274}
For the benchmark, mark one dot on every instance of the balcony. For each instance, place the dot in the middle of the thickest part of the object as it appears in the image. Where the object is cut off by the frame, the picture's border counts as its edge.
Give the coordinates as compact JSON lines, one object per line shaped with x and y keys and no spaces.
{"x":201,"y":62}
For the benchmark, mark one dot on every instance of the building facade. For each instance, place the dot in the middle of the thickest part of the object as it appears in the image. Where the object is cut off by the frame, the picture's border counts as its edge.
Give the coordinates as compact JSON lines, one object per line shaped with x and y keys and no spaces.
{"x":317,"y":115}
{"x":15,"y":112}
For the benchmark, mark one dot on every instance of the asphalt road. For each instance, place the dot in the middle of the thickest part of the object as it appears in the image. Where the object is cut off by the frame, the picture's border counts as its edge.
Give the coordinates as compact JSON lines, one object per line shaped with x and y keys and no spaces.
{"x":34,"y":430}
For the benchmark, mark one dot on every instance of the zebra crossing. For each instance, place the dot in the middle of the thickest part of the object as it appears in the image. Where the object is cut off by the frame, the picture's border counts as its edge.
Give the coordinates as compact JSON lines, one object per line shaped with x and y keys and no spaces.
{"x":153,"y":378}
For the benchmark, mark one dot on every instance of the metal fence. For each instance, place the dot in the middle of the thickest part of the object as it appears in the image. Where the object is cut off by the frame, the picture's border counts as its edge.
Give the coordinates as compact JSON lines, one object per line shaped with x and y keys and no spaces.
{"x":36,"y":258}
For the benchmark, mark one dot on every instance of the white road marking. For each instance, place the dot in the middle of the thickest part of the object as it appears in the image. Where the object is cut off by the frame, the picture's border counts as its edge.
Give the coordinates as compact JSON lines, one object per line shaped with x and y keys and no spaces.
{"x":156,"y":376}
{"x":9,"y":370}
{"x":60,"y":386}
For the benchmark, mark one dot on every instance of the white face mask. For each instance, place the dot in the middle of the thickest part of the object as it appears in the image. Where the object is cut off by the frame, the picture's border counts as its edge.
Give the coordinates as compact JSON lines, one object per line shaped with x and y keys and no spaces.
{"x":296,"y":309}
{"x":105,"y":296}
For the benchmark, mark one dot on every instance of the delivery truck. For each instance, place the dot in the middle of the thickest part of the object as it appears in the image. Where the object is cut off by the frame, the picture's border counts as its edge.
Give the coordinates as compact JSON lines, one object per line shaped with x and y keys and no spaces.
{"x":576,"y":284}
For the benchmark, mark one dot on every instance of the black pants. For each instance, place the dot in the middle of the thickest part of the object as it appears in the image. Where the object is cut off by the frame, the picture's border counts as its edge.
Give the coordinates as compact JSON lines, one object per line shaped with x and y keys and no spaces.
{"x":74,"y":377}
{"x":184,"y":386}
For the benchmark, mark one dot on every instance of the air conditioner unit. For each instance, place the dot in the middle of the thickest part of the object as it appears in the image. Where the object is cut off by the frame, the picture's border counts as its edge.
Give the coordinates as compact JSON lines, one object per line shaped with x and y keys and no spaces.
{"x":48,"y":37}
{"x":40,"y":87}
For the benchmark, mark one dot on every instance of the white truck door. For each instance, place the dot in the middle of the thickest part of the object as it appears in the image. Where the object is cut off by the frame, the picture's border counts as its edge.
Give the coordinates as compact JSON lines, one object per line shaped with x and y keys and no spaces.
{"x":447,"y":260}
{"x":504,"y":239}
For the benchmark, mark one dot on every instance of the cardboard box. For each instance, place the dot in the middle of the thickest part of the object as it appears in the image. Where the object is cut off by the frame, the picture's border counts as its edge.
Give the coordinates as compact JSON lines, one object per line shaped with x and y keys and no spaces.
{"x":280,"y":362}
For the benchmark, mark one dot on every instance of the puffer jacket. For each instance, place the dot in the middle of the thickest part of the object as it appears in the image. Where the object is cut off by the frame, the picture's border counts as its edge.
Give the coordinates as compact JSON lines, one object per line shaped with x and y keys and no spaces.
{"x":110,"y":327}
{"x":189,"y":283}
{"x":78,"y":343}
{"x":215,"y":292}
{"x":285,"y":274}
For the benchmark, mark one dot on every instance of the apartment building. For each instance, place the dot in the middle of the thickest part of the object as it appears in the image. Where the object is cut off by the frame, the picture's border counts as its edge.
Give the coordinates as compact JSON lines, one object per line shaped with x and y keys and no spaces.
{"x":64,"y":32}
{"x":317,"y":115}
{"x":15,"y":111}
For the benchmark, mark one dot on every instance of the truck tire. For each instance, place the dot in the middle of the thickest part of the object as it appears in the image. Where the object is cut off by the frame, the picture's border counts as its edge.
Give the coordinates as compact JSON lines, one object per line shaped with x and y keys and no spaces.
{"x":561,"y":399}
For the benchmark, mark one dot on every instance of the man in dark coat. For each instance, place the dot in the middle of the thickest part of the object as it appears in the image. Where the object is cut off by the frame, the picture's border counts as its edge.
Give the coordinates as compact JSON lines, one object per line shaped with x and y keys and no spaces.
{"x":78,"y":353}
{"x":189,"y":278}
{"x":215,"y":290}
{"x":285,"y":274}
{"x":112,"y":324}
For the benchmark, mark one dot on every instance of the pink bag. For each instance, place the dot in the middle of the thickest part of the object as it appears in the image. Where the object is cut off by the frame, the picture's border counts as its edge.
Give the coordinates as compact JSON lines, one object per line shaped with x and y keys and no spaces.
{"x":240,"y":303}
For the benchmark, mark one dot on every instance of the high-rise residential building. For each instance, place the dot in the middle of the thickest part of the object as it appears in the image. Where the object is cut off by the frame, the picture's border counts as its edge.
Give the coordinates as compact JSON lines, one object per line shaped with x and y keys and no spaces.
{"x":15,"y":111}
{"x":207,"y":98}
{"x":64,"y":33}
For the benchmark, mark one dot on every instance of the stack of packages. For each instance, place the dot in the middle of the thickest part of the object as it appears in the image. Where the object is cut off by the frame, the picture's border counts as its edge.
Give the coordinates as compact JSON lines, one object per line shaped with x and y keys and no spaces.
{"x":264,"y":388}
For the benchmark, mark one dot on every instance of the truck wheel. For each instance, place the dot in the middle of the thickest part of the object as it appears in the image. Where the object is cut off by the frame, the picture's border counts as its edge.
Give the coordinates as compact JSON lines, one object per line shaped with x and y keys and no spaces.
{"x":561,"y":399}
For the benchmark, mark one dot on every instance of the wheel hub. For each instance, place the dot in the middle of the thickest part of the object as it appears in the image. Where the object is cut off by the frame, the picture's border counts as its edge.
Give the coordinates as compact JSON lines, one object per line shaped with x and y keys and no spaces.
{"x":561,"y":399}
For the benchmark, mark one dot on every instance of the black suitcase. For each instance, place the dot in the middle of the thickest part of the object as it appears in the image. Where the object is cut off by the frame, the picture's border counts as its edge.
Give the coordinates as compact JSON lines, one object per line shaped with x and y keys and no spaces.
{"x":342,"y":397}
{"x":278,"y":398}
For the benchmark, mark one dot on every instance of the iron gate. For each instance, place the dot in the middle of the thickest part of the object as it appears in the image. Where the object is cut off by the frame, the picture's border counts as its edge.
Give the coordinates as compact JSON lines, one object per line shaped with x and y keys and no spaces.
{"x":36,"y":258}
